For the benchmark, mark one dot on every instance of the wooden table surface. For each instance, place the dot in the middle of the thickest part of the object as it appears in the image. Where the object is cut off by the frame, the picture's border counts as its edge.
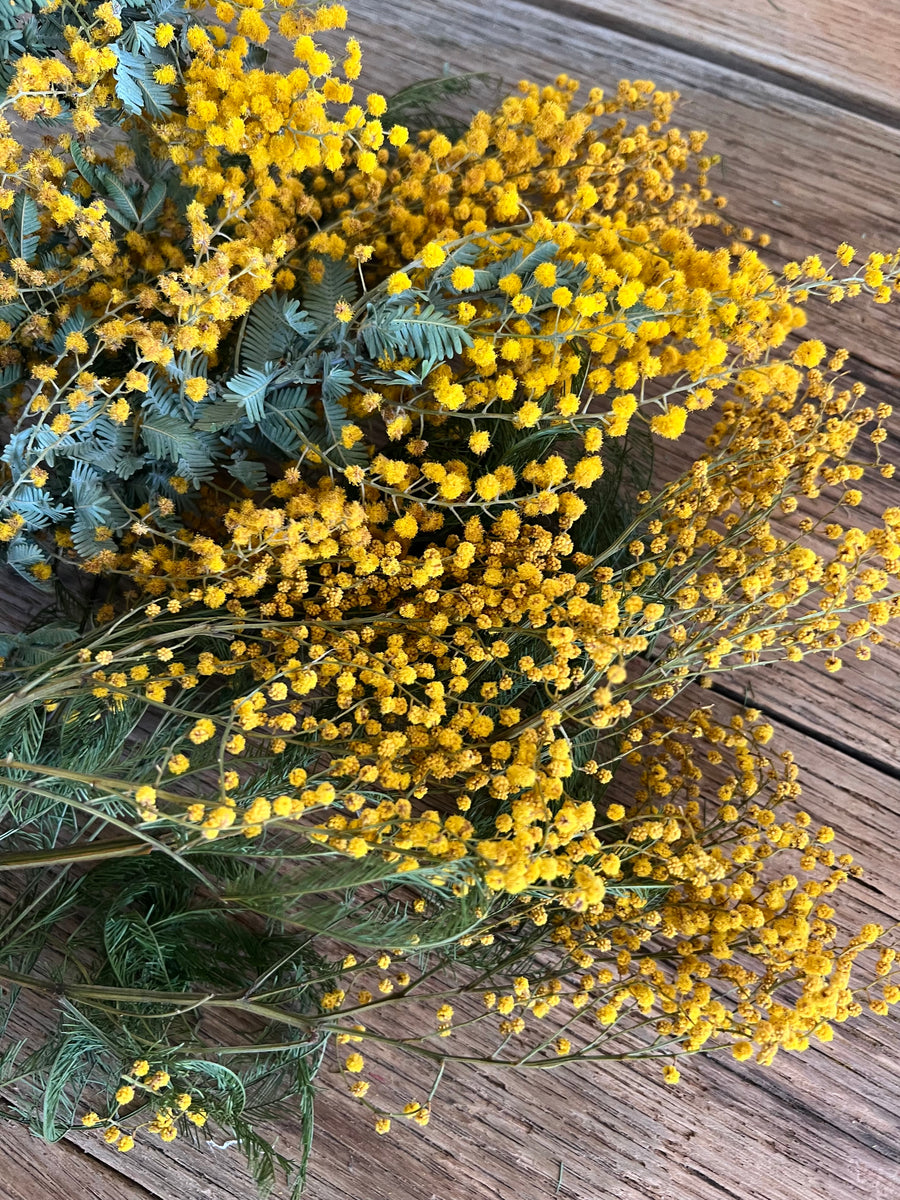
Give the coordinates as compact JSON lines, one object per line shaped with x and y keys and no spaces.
{"x":802,"y":100}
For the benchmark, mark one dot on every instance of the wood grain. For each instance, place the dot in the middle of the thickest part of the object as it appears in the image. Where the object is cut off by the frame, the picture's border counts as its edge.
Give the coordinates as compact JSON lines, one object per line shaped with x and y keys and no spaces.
{"x":31,"y":1169}
{"x":820,"y":1126}
{"x":830,"y":49}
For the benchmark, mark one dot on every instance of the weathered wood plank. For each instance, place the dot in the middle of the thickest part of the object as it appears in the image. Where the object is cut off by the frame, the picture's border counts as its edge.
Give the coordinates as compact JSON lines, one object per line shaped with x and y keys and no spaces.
{"x":822,"y":1125}
{"x":30,"y":1170}
{"x":19,"y":603}
{"x":830,"y":49}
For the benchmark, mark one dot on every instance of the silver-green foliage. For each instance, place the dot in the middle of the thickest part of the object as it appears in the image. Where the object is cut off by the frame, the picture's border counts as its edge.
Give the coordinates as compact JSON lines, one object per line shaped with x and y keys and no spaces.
{"x":279,"y":392}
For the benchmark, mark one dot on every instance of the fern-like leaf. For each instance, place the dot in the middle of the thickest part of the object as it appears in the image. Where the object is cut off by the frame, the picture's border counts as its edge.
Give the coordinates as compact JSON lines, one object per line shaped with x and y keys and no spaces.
{"x":78,"y":322}
{"x":288,"y":419}
{"x":69,"y":1074}
{"x":172,"y":438}
{"x":247,"y":391}
{"x":425,"y":104}
{"x":119,"y":201}
{"x":83,"y":167}
{"x":251,"y":474}
{"x":94,"y":506}
{"x":271,"y":326}
{"x":13,"y":313}
{"x":22,"y":554}
{"x":23,"y":227}
{"x":335,"y":421}
{"x":427,"y":333}
{"x":338,"y":282}
{"x":37,"y":507}
{"x":152,"y":204}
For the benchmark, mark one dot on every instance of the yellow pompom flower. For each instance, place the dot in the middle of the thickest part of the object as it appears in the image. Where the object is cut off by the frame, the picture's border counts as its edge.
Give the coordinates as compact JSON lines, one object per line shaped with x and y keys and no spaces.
{"x":809,"y":354}
{"x":528,"y":415}
{"x":196,"y":388}
{"x":397,"y":283}
{"x":628,"y":293}
{"x":671,"y":423}
{"x":119,"y":411}
{"x":433,"y":255}
{"x":545,"y":274}
{"x":202,"y":731}
{"x":462,"y":278}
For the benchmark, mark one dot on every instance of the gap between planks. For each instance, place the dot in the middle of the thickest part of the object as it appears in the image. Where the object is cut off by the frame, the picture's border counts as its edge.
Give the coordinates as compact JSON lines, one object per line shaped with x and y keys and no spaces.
{"x":657,"y":25}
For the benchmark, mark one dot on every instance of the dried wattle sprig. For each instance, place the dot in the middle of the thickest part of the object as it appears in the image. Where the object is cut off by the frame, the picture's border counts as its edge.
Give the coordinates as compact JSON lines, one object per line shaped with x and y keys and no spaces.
{"x":349,"y":421}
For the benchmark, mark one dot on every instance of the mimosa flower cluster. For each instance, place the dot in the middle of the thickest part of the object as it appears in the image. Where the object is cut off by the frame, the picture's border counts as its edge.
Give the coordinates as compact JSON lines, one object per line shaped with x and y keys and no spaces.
{"x":378,"y":711}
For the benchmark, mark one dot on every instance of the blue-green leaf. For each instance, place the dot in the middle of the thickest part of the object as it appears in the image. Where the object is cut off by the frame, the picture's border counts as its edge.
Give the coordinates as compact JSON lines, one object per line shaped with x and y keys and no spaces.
{"x":23,"y":227}
{"x":127,"y":89}
{"x":338,"y":282}
{"x":250,"y":474}
{"x":83,"y":167}
{"x":152,"y":205}
{"x":123,"y":209}
{"x":168,"y":437}
{"x":78,"y":322}
{"x":22,"y":554}
{"x":249,"y":390}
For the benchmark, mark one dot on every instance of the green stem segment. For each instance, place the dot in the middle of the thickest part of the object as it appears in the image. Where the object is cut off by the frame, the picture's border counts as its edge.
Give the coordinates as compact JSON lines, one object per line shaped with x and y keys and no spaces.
{"x":77,"y":852}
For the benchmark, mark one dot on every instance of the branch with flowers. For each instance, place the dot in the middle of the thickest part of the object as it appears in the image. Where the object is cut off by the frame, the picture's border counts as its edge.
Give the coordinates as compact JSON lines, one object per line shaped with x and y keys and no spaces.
{"x":363,"y":713}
